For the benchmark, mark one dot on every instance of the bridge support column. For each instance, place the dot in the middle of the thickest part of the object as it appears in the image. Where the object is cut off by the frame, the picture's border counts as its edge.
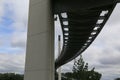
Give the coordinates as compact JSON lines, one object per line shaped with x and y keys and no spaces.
{"x":40,"y":42}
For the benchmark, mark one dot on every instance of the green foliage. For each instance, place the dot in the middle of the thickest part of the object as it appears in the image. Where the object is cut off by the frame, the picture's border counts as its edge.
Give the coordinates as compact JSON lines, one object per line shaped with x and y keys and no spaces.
{"x":10,"y":76}
{"x":79,"y":65}
{"x":67,"y":76}
{"x":81,"y":72}
{"x":117,"y":79}
{"x":93,"y":75}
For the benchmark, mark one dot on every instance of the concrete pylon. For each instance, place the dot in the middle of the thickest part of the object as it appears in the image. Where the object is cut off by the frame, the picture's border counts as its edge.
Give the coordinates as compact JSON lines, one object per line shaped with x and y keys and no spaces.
{"x":40,"y":42}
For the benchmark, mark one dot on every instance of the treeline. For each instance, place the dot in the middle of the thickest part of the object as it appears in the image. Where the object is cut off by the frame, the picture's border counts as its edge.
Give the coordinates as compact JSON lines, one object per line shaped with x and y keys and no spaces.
{"x":11,"y":76}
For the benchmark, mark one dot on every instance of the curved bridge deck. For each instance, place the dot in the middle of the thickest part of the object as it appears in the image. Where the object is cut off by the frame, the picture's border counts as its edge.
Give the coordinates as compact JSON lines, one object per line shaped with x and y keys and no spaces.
{"x":80,"y":27}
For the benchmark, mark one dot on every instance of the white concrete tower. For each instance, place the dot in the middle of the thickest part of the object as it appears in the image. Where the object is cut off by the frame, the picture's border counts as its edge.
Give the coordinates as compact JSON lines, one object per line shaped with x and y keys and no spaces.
{"x":40,"y":42}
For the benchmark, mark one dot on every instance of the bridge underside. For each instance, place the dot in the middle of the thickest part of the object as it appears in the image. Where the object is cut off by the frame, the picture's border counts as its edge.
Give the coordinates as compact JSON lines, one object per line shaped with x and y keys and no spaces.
{"x":81,"y":22}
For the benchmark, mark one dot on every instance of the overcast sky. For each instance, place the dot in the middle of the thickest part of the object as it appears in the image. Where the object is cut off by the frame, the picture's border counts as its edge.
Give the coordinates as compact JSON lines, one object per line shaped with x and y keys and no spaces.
{"x":13,"y":31}
{"x":103,"y":54}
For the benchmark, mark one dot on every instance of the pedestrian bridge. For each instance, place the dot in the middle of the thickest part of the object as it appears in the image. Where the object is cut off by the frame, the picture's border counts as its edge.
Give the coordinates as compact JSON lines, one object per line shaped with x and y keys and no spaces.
{"x":81,"y":22}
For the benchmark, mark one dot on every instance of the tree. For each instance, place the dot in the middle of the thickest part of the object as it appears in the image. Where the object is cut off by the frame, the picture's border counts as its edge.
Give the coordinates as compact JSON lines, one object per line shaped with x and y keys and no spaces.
{"x":117,"y":78}
{"x":79,"y":65}
{"x":93,"y":75}
{"x":80,"y":71}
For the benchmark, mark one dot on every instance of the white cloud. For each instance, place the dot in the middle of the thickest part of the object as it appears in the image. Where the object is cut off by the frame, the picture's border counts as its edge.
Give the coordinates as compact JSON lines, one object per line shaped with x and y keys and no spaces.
{"x":19,"y":40}
{"x":19,"y":9}
{"x":1,"y":41}
{"x":68,"y":67}
{"x":20,"y":18}
{"x":1,"y":9}
{"x":12,"y":62}
{"x":19,"y":14}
